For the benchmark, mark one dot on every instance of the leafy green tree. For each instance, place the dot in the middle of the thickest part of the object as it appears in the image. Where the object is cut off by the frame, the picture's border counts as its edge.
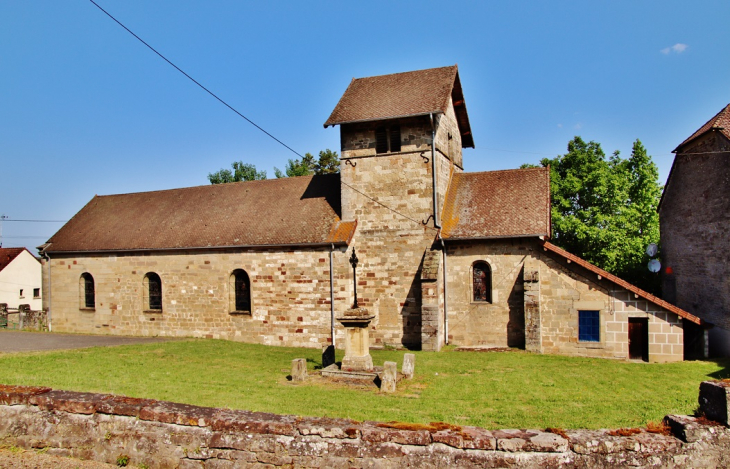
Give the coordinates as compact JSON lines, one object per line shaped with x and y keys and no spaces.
{"x":241,"y":172}
{"x":328,"y":163}
{"x":605,"y":209}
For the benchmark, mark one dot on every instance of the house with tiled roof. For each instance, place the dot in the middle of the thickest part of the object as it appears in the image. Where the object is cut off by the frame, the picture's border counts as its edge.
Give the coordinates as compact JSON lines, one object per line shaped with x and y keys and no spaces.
{"x":694,"y":218}
{"x":445,"y":256}
{"x":20,"y":278}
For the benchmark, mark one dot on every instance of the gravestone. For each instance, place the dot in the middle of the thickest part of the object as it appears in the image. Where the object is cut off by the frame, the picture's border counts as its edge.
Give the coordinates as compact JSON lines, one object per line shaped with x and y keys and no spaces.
{"x":298,"y":369}
{"x":409,"y":365}
{"x":389,"y":377}
{"x":328,"y":356}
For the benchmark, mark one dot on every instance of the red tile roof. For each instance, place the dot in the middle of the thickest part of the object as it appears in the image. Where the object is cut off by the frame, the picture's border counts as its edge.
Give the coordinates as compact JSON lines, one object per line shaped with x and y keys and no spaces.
{"x":498,"y":204}
{"x":622,"y":283}
{"x":7,"y":255}
{"x":288,"y":211}
{"x":416,"y":93}
{"x":720,"y":122}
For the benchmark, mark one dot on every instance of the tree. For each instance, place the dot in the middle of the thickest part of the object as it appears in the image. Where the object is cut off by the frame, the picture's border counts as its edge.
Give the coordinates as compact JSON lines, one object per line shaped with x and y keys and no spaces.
{"x":241,"y":172}
{"x":605,"y":209}
{"x":328,"y":163}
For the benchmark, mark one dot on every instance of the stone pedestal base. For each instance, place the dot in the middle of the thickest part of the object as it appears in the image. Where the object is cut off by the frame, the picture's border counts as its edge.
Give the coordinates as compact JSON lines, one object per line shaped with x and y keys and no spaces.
{"x":357,"y":340}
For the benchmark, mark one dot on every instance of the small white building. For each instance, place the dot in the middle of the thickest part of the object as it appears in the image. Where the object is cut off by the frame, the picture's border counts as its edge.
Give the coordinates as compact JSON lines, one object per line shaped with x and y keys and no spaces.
{"x":20,"y":278}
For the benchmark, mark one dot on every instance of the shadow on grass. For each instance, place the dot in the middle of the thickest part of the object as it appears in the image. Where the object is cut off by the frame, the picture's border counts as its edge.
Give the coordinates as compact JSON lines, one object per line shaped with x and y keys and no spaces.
{"x":724,"y":373}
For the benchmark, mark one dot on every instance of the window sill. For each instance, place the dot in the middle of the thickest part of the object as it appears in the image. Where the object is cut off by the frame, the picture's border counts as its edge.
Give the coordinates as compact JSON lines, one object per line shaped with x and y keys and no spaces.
{"x":152,"y":311}
{"x":240,"y":313}
{"x":87,"y":309}
{"x":586,"y":344}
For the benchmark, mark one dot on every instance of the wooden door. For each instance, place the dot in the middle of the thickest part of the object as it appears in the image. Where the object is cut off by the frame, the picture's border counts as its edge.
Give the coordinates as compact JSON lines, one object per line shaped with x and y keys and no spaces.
{"x":639,"y":339}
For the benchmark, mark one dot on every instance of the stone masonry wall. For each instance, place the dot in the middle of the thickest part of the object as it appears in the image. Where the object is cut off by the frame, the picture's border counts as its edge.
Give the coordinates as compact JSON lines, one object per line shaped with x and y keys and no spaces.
{"x":563,"y":289}
{"x":290,"y":297}
{"x":695,"y":230}
{"x":391,"y":242}
{"x":164,"y":435}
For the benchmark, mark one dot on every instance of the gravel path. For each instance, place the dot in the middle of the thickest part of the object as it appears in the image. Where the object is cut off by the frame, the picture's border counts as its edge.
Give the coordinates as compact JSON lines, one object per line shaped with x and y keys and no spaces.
{"x":21,"y":341}
{"x":22,"y":459}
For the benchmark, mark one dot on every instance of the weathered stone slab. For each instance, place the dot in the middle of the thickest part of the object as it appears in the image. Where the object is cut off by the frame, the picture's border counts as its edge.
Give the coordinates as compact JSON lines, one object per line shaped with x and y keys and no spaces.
{"x":686,"y":428}
{"x":714,"y":401}
{"x":253,"y":422}
{"x":299,"y":369}
{"x":19,"y":395}
{"x":375,"y":434}
{"x":389,"y":377}
{"x":180,"y":414}
{"x":123,"y":405}
{"x":409,"y":365}
{"x":598,"y":442}
{"x":68,"y":401}
{"x":328,"y":428}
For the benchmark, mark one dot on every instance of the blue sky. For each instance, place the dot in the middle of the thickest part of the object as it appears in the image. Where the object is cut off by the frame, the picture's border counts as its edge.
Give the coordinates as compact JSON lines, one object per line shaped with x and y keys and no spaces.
{"x":86,"y":109}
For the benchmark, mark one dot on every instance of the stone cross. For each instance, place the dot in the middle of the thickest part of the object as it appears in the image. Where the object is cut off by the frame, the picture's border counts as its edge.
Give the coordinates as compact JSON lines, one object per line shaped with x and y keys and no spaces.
{"x":353,"y":261}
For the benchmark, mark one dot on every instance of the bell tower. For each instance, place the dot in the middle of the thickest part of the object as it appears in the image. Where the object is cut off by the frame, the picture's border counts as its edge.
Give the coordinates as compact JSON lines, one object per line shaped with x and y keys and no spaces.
{"x":401,"y":140}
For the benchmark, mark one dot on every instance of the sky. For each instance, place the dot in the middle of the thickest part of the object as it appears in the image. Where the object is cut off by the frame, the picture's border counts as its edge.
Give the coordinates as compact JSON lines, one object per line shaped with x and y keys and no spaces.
{"x":86,"y":109}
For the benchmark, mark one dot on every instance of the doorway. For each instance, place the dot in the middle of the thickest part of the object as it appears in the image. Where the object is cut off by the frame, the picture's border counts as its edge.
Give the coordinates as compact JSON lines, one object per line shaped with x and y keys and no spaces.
{"x":639,"y":339}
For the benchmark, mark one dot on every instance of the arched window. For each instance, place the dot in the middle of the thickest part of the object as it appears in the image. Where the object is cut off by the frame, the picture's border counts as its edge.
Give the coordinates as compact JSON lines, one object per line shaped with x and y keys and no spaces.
{"x":87,"y":296}
{"x":153,"y":291}
{"x":240,"y":292}
{"x":482,"y":282}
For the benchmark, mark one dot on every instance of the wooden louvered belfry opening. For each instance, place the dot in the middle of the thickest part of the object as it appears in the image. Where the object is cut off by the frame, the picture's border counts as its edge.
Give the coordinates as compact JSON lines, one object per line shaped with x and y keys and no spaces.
{"x":387,"y":139}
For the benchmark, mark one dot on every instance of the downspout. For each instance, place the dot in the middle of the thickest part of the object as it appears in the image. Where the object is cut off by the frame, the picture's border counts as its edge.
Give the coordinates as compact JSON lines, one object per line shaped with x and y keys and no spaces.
{"x":436,"y":217}
{"x":48,"y":314}
{"x":332,"y":296}
{"x":446,"y":296}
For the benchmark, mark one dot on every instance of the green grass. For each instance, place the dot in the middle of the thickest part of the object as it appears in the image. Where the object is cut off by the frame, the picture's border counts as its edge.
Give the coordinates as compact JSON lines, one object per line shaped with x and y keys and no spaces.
{"x":492,"y":390}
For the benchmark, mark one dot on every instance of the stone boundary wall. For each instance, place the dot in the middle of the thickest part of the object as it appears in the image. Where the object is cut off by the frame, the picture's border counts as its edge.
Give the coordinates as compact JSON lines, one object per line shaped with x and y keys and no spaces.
{"x":168,"y":435}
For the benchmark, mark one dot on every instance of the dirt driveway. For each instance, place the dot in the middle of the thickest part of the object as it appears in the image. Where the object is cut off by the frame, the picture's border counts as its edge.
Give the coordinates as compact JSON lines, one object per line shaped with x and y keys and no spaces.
{"x":18,"y":341}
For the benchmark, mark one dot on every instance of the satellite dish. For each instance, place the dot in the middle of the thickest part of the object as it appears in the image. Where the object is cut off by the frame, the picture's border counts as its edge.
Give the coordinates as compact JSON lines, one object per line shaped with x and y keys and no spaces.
{"x":654,"y":266}
{"x":651,"y":250}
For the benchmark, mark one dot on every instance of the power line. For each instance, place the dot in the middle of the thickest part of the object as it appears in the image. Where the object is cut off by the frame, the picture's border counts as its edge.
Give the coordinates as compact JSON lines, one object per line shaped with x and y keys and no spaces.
{"x":35,"y":221}
{"x":234,"y":110}
{"x":195,"y":81}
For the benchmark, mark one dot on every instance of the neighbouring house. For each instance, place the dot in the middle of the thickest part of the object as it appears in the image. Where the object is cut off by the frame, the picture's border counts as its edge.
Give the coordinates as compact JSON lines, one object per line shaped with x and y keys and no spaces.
{"x":20,"y":278}
{"x":445,"y":256}
{"x":694,"y":216}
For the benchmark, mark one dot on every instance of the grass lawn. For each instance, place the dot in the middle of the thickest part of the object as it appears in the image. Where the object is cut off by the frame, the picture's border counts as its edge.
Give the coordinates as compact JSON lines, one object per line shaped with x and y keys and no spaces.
{"x":487,"y":389}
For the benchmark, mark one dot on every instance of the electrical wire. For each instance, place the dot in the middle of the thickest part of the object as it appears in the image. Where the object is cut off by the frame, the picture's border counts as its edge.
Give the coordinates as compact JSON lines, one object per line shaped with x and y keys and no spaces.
{"x":238,"y":113}
{"x":195,"y":81}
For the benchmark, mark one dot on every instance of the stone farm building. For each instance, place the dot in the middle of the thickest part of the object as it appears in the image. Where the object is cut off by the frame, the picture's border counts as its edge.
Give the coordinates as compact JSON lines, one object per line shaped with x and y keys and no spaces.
{"x":694,"y":215}
{"x":445,"y":255}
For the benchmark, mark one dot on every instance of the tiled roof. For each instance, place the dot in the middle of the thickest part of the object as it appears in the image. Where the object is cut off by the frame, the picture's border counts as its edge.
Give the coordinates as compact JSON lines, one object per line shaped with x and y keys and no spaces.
{"x":401,"y":95}
{"x":720,"y":122}
{"x":8,"y":254}
{"x":622,"y":283}
{"x":498,"y":204}
{"x":288,"y":211}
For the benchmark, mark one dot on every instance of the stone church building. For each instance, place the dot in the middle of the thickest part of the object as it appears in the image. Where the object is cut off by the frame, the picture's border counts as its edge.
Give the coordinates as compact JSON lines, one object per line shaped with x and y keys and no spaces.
{"x":445,"y":256}
{"x":694,"y":215}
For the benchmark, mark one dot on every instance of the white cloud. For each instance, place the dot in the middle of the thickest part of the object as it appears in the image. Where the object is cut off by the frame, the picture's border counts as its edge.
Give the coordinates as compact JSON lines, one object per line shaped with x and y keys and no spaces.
{"x":677,"y":48}
{"x":560,"y":126}
{"x":577,"y":126}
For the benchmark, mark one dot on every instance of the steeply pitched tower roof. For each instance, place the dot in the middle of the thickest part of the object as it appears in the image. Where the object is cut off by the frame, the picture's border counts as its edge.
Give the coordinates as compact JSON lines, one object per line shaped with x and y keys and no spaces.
{"x":277,"y":212}
{"x":721,"y":123}
{"x":417,"y":93}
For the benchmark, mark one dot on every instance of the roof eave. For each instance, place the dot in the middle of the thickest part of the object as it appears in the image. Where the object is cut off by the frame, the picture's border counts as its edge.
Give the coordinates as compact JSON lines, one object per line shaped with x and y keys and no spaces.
{"x":198,"y":248}
{"x":375,"y":119}
{"x":478,"y":238}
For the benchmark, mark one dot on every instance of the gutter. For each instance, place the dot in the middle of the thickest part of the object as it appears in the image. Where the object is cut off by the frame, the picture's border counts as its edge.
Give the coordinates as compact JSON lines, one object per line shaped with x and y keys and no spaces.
{"x":446,"y":296}
{"x":332,"y":296}
{"x":210,"y":248}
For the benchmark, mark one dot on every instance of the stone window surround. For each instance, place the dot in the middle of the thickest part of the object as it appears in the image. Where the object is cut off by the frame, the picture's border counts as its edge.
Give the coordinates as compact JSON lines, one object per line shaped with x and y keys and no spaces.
{"x":492,"y":298}
{"x":83,"y":293}
{"x":146,"y":293}
{"x":599,"y":306}
{"x":232,"y":294}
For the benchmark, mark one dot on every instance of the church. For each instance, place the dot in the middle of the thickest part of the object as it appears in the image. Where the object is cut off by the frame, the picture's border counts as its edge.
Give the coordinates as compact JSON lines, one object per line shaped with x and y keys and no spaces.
{"x":445,"y":256}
